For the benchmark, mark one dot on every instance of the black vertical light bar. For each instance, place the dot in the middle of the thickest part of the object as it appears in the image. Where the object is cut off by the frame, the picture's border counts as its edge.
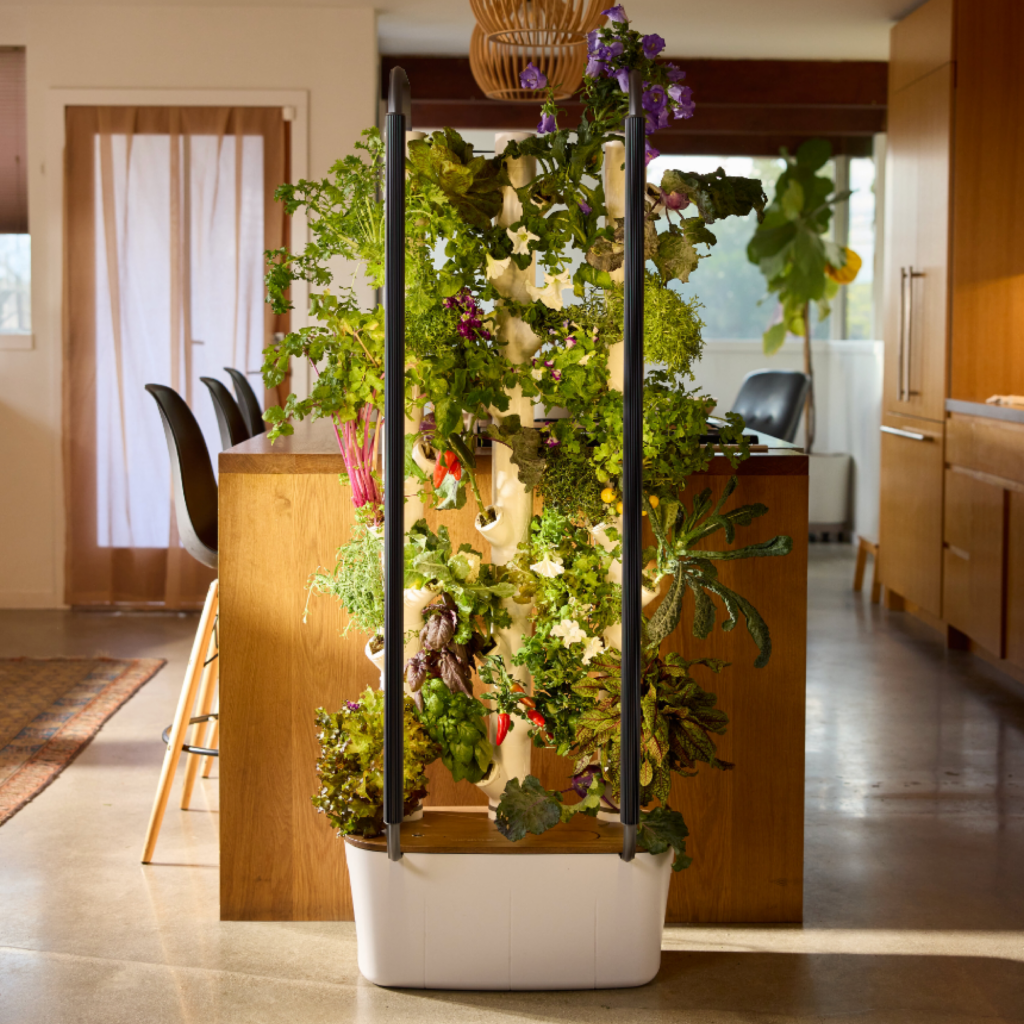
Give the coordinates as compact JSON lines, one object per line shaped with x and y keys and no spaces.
{"x":397,"y":121}
{"x":632,"y":464}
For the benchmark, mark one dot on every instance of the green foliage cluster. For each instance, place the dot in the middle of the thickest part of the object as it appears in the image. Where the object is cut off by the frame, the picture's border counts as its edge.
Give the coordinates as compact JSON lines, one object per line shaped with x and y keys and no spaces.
{"x":350,"y":767}
{"x":678,"y":718}
{"x":456,"y":723}
{"x":529,"y":808}
{"x":459,"y":371}
{"x":680,"y":552}
{"x":357,"y":580}
{"x":564,"y":575}
{"x":475,"y":587}
{"x":790,"y":246}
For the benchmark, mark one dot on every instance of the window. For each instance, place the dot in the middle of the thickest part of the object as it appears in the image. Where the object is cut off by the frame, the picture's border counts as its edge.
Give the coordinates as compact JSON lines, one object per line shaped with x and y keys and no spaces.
{"x":732,"y":289}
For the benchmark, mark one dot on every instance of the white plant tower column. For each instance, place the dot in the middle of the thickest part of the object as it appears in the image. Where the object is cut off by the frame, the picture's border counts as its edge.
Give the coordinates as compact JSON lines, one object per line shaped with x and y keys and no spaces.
{"x":512,"y":502}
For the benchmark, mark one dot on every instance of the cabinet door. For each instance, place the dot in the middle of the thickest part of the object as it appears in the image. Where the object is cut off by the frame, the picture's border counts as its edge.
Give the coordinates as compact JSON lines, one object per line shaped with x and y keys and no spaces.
{"x":972,"y":582}
{"x":910,"y":526}
{"x":917,"y":263}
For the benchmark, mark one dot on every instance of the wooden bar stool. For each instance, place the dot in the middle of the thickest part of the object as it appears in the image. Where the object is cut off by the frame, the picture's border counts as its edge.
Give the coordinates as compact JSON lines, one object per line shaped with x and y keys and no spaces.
{"x":864,"y":548}
{"x":195,"y":506}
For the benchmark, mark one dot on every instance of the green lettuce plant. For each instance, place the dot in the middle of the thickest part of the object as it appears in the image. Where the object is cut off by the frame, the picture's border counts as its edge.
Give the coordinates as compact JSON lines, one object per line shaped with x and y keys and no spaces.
{"x":350,"y":767}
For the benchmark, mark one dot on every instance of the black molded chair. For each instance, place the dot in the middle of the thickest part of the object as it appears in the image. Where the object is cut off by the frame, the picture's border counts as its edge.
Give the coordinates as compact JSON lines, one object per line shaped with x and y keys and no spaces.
{"x":771,"y":401}
{"x":233,"y":428}
{"x":195,"y":507}
{"x":248,"y":402}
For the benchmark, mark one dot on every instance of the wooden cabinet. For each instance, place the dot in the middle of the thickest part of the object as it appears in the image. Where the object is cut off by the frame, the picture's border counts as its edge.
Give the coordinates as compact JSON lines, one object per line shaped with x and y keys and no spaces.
{"x":983,"y":585}
{"x":920,"y":43}
{"x":972,"y":591}
{"x":917,"y":232}
{"x":987,"y":356}
{"x":915,"y":295}
{"x":952,"y":522}
{"x":910,"y":537}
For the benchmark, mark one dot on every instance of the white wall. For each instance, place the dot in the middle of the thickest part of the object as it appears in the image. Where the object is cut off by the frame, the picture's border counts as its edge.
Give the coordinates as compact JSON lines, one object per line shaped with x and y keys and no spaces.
{"x":848,"y":380}
{"x":328,"y":54}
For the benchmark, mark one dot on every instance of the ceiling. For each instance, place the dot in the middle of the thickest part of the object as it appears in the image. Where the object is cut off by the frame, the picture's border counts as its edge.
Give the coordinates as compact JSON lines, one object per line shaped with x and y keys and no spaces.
{"x":738,"y":29}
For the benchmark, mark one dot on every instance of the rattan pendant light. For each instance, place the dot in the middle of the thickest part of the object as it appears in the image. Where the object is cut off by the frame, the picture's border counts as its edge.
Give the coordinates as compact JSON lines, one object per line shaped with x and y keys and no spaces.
{"x":509,"y":34}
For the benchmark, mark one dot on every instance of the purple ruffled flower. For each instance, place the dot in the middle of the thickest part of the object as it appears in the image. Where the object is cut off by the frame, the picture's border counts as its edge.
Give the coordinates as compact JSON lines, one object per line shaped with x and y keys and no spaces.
{"x":615,"y":13}
{"x":547,"y":124}
{"x":655,"y":99}
{"x":532,"y":77}
{"x":651,"y":152}
{"x":594,"y":67}
{"x":673,"y":73}
{"x":656,"y":121}
{"x":570,"y":342}
{"x":613,"y":49}
{"x":585,"y":206}
{"x":683,"y":97}
{"x":553,"y":442}
{"x":622,"y":75}
{"x":353,"y":705}
{"x":653,"y":45}
{"x":593,"y":39}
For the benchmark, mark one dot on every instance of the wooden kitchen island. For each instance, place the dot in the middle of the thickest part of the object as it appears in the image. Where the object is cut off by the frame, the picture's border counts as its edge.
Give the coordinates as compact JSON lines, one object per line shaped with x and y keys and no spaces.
{"x":283,"y":513}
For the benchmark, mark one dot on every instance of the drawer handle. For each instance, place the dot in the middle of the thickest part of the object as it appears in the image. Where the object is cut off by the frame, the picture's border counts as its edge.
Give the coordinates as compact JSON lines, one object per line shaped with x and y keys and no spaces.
{"x":908,"y":434}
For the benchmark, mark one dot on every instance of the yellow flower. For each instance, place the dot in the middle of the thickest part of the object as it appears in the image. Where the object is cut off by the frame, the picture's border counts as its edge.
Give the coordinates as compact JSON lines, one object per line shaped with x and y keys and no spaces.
{"x":848,"y":271}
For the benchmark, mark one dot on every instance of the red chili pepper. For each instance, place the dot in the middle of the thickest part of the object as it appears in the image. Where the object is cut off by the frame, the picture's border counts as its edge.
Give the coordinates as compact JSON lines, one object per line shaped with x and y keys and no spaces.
{"x":448,"y":463}
{"x":502,"y":730}
{"x":536,"y":717}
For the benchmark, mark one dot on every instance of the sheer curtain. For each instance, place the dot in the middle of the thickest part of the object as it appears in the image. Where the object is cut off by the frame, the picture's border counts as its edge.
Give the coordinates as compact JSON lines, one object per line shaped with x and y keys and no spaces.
{"x":168,"y":213}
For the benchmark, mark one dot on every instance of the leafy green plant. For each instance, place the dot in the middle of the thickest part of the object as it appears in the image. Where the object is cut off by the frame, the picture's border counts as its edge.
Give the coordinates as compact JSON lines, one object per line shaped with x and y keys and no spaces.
{"x":678,"y":720}
{"x":793,"y":252}
{"x":475,"y":587}
{"x":455,"y":722}
{"x":529,"y":808}
{"x":350,"y":767}
{"x":357,"y":580}
{"x":678,"y":532}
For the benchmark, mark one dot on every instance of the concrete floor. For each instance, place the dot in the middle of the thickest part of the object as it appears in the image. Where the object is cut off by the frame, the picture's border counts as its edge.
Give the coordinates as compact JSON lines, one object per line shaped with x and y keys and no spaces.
{"x":915,"y":873}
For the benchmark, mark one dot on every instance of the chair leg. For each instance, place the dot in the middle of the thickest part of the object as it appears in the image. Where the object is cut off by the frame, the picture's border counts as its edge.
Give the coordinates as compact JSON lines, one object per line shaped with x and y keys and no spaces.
{"x":212,"y":744}
{"x":876,"y":577}
{"x":858,"y":572}
{"x":186,"y":702}
{"x":207,"y":689}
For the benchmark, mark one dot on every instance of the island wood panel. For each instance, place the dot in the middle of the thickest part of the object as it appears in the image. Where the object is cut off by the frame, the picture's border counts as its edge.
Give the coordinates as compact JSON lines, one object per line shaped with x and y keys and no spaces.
{"x":1015,"y":579}
{"x":281,"y":861}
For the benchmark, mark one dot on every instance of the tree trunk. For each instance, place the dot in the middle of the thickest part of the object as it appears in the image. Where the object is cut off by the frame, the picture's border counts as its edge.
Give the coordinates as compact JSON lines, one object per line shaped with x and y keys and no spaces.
{"x":809,"y":410}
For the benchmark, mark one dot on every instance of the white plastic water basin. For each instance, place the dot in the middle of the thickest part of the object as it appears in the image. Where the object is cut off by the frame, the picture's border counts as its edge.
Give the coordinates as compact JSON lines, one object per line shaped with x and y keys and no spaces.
{"x":519,"y":921}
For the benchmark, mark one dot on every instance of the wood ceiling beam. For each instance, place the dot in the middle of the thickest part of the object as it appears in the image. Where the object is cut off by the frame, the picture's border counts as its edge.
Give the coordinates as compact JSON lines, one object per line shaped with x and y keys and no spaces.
{"x":747,"y":107}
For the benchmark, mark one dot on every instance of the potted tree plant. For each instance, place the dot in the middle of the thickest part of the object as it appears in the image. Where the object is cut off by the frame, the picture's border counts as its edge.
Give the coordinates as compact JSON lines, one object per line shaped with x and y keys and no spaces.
{"x":804,"y":269}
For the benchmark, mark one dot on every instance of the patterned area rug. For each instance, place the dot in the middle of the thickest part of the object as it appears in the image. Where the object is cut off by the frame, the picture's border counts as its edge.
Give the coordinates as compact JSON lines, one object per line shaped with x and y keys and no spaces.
{"x":50,"y":708}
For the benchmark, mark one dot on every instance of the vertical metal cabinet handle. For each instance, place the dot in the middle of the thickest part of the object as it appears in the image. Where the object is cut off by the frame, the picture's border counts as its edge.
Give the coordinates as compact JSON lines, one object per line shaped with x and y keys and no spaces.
{"x":907,"y":349}
{"x":910,"y":435}
{"x":903,"y":325}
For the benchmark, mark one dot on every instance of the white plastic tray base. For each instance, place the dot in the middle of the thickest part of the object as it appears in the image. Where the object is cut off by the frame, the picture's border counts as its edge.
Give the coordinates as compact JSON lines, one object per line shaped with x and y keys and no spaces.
{"x":519,"y":922}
